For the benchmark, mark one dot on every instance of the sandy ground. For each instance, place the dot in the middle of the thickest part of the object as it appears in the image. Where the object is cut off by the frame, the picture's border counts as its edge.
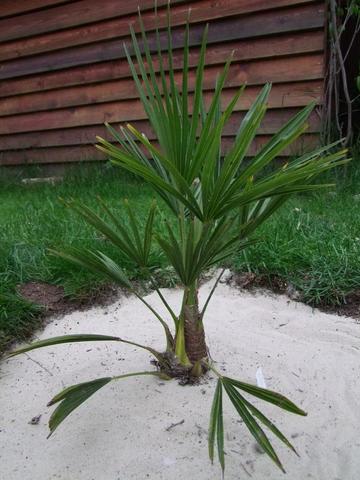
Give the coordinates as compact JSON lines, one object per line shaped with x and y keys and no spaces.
{"x":121,"y":432}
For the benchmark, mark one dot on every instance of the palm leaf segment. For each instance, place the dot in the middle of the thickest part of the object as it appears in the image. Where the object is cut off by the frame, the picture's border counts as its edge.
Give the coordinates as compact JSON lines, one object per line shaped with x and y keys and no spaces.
{"x":250,"y":415}
{"x":188,"y":167}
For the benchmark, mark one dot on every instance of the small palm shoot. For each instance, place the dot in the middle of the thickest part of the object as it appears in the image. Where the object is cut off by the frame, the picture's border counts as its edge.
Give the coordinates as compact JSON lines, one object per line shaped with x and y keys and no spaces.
{"x":216,"y":200}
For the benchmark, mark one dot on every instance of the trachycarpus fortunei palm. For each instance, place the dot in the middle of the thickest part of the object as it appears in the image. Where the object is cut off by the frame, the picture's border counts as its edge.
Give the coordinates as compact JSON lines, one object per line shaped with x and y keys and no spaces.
{"x":217,"y":200}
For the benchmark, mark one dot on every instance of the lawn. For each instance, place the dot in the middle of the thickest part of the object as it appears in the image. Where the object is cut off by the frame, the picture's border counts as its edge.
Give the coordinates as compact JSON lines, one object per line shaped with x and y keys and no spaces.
{"x":313,"y":242}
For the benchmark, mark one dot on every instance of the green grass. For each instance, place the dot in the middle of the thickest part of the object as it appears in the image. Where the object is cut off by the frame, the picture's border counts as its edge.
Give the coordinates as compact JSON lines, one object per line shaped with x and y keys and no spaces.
{"x":313,"y":242}
{"x":33,"y":219}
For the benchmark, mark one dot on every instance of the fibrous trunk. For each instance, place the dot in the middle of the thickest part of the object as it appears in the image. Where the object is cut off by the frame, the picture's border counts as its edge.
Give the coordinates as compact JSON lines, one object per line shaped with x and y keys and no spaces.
{"x":191,"y":345}
{"x":195,"y":345}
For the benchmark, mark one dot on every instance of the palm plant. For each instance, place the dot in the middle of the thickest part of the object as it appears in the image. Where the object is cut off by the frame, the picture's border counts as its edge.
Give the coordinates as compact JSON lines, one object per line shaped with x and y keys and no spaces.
{"x":216,"y":200}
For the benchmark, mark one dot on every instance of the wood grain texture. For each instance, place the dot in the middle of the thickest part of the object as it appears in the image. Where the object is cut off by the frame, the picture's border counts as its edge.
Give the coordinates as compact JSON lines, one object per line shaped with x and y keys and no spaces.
{"x":90,"y":153}
{"x":9,"y":8}
{"x":296,"y":68}
{"x":204,"y":10}
{"x":73,"y":14}
{"x":282,"y":95}
{"x":294,"y":19}
{"x":273,"y":121}
{"x":244,"y":50}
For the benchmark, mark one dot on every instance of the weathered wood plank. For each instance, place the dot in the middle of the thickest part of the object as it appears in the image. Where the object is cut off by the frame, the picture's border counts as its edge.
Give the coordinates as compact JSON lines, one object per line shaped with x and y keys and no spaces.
{"x":90,"y":153}
{"x":65,"y":16}
{"x":287,"y":69}
{"x":204,"y":10}
{"x":15,"y":7}
{"x":282,"y":95}
{"x":234,"y":28}
{"x":287,"y":44}
{"x":273,"y":121}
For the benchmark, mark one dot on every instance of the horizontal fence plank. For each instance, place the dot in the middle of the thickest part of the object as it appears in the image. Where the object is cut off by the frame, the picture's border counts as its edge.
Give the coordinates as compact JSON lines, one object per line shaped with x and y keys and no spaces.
{"x":204,"y":10}
{"x":244,"y":50}
{"x":296,"y":68}
{"x":234,"y":28}
{"x":282,"y":95}
{"x":90,"y":153}
{"x":15,"y":7}
{"x":273,"y":121}
{"x":73,"y":14}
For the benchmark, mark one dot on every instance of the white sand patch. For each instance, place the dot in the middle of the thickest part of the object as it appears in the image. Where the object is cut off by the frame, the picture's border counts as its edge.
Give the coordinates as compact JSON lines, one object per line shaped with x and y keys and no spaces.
{"x":121,"y":432}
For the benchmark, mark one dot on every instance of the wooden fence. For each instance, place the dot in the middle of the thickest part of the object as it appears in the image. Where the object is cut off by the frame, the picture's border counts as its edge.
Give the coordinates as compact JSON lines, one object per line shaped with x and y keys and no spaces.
{"x":63,"y":71}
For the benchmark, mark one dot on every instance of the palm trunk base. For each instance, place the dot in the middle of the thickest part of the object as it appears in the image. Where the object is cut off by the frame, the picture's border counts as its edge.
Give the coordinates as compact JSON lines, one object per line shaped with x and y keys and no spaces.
{"x":195,"y":344}
{"x":173,"y":368}
{"x":189,"y":358}
{"x":187,"y":374}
